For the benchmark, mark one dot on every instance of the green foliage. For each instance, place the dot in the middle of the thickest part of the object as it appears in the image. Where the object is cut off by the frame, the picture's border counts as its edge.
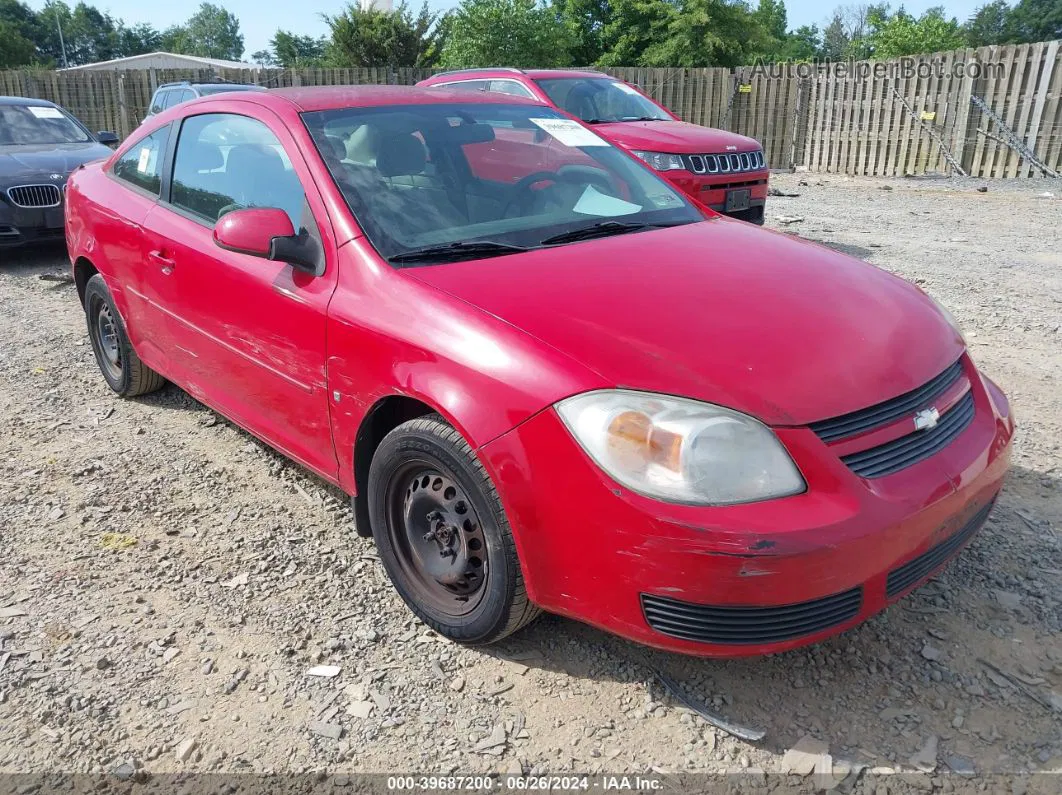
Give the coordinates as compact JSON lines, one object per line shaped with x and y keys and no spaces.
{"x":211,"y":32}
{"x":15,"y":49}
{"x":291,"y":50}
{"x":710,"y":33}
{"x":991,"y":24}
{"x":521,"y":33}
{"x":584,"y":21}
{"x":383,"y":38}
{"x":1037,"y":20}
{"x":802,"y":45}
{"x":634,"y":27}
{"x":899,"y":34}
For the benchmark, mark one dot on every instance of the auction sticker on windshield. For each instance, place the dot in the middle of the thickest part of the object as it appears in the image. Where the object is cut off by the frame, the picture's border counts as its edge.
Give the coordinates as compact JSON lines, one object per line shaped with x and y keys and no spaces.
{"x":569,"y":133}
{"x":626,"y":89}
{"x":45,"y":113}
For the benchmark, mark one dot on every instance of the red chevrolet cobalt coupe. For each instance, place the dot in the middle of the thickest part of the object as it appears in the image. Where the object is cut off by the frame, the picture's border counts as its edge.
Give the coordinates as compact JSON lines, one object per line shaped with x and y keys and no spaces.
{"x":550,"y":381}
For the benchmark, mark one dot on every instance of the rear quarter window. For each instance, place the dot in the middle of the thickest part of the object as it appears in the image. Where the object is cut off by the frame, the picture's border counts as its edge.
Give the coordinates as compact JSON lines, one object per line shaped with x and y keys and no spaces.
{"x":141,"y":165}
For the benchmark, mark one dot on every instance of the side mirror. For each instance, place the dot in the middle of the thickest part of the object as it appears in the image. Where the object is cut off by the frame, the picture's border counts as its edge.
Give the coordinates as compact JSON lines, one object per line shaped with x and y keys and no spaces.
{"x":107,"y":137}
{"x":267,"y":232}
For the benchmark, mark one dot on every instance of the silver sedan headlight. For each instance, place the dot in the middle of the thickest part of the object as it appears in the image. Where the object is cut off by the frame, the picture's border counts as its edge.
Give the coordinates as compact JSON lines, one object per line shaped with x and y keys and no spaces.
{"x":679,"y":450}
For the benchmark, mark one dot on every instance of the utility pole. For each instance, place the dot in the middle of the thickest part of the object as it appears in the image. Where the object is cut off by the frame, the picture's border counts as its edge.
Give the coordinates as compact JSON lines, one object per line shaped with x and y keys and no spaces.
{"x":62,"y":45}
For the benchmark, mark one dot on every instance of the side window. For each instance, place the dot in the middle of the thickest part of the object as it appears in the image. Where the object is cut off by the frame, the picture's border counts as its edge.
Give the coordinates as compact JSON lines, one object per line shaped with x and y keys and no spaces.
{"x":141,"y":165}
{"x":177,"y":97}
{"x":226,"y":162}
{"x":158,"y":104}
{"x":468,"y":85}
{"x":510,"y":87}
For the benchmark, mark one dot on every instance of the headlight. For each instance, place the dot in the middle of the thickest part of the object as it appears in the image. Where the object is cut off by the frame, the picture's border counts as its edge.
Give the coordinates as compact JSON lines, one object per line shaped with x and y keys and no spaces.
{"x":680,"y":450}
{"x":661,"y":161}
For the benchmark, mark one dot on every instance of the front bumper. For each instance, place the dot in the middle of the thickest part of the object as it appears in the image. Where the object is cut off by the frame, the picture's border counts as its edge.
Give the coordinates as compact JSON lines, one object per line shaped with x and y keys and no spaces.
{"x":716,"y":190}
{"x":21,"y":226}
{"x":593,"y":551}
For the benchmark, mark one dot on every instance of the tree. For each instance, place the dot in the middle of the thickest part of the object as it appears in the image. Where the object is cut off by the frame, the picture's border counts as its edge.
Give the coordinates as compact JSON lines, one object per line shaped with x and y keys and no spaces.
{"x":15,"y":49}
{"x":519,"y":33}
{"x":263,"y":58}
{"x":291,"y":50}
{"x":991,"y":24}
{"x":634,"y":27}
{"x":1037,"y":20}
{"x":211,"y":32}
{"x":383,"y":38}
{"x":835,"y":41}
{"x":900,"y":34}
{"x":803,"y":45}
{"x":137,"y":40}
{"x":771,"y":15}
{"x":710,"y":33}
{"x":18,"y":30}
{"x":584,"y":21}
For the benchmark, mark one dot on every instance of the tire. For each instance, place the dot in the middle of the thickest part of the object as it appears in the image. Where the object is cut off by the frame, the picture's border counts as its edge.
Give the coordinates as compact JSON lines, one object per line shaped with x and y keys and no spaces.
{"x":411,"y":477}
{"x":121,"y":367}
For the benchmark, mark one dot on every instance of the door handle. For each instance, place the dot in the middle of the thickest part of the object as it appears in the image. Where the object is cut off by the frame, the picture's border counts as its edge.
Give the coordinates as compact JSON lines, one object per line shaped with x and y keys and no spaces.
{"x":165,"y":262}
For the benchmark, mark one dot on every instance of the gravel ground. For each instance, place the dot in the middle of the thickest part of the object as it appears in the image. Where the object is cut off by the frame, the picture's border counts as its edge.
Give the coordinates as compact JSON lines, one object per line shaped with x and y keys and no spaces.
{"x":167,"y":582}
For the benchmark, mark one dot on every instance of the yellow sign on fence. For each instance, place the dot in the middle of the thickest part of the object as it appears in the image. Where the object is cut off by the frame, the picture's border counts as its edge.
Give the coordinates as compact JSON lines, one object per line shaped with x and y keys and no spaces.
{"x":745,"y":88}
{"x":929,"y":115}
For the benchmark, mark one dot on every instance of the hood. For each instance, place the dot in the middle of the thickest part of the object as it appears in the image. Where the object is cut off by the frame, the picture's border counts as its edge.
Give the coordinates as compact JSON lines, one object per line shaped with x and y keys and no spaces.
{"x":722,"y":311}
{"x":677,"y":137}
{"x":19,"y":162}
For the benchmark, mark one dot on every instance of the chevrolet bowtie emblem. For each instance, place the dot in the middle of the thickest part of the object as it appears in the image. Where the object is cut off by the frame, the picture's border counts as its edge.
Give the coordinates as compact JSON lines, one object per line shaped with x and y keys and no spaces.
{"x":926,"y":419}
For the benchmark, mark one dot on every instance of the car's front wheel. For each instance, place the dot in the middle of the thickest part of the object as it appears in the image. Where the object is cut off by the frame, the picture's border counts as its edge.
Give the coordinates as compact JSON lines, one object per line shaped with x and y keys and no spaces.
{"x":121,"y":367}
{"x":443,"y":535}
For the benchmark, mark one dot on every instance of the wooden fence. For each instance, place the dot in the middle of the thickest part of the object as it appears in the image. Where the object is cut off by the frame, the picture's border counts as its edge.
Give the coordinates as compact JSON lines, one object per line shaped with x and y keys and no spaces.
{"x":870,"y":118}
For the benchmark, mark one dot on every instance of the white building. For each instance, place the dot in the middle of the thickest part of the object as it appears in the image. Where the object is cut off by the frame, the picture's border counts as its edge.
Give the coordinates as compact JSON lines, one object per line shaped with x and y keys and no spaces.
{"x":377,"y":5}
{"x":164,"y":60}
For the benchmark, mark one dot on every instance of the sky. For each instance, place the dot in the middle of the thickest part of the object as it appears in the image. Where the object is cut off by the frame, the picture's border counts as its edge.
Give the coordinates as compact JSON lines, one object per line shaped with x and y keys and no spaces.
{"x":259,"y":19}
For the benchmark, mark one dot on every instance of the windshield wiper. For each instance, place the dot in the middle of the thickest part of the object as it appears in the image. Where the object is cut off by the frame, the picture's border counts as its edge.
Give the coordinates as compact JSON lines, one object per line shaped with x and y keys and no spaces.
{"x":642,"y":118}
{"x":452,"y":252}
{"x":602,"y":229}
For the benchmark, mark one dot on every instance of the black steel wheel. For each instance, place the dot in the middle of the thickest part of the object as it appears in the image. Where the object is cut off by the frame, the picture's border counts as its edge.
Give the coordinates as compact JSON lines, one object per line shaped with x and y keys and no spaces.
{"x":121,"y":367}
{"x":443,"y":535}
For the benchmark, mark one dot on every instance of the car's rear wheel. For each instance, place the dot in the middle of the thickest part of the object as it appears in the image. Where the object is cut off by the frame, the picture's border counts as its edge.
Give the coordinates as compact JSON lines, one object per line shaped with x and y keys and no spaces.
{"x":443,"y":535}
{"x":121,"y":367}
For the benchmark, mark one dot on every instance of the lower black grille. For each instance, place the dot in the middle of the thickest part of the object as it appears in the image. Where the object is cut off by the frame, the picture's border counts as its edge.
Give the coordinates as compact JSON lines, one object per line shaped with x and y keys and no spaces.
{"x":920,"y":568}
{"x":35,"y":196}
{"x":908,"y":450}
{"x":746,"y":625}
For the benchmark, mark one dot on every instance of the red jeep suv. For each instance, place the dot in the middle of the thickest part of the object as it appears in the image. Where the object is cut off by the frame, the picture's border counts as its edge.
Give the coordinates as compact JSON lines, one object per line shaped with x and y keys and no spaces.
{"x":721,"y":169}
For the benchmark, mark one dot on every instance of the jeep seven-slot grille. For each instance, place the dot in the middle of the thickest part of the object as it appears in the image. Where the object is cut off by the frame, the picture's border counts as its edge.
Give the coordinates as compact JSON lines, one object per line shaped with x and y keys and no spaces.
{"x":883,"y":413}
{"x":917,"y":446}
{"x":725,"y":164}
{"x":31,"y":196}
{"x":907,"y":575}
{"x":746,"y":625}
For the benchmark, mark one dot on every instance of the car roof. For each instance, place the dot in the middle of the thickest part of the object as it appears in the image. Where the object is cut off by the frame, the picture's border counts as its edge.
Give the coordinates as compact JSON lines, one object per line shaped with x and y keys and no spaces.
{"x":545,"y":73}
{"x":505,"y":71}
{"x":229,"y":86}
{"x":332,"y":97}
{"x":37,"y":103}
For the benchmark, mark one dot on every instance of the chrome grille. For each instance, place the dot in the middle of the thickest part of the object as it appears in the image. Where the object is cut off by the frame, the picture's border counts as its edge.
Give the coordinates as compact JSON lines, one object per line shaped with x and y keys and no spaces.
{"x":33,"y":196}
{"x":725,"y":164}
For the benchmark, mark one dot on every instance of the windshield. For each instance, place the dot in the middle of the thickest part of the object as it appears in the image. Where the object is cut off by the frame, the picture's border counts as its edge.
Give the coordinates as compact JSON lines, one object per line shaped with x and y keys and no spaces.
{"x":38,"y":124}
{"x":600,"y":99}
{"x":484,"y":179}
